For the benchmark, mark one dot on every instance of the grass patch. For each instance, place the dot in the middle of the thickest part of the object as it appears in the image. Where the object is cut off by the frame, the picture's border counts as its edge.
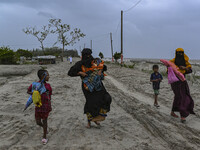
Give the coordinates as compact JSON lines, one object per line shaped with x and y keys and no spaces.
{"x":128,"y":66}
{"x":43,"y":67}
{"x":107,"y":62}
{"x":30,"y":63}
{"x":122,"y":65}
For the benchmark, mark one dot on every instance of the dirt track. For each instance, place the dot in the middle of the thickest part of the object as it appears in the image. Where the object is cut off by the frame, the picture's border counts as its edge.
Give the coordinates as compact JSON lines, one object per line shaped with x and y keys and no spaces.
{"x":133,"y":122}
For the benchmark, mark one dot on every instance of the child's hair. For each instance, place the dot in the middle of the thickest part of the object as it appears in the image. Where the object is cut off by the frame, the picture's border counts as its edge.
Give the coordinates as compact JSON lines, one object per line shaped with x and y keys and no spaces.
{"x":41,"y":73}
{"x":155,"y":67}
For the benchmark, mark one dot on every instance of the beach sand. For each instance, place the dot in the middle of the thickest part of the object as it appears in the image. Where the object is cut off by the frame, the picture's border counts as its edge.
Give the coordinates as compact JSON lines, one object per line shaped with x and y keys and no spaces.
{"x":132,"y":124}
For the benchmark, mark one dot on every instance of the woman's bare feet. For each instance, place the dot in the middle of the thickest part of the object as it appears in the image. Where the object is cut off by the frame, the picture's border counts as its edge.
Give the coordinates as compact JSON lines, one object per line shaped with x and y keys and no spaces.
{"x":88,"y":125}
{"x":98,"y":118}
{"x":183,"y":120}
{"x":97,"y":123}
{"x":174,"y":115}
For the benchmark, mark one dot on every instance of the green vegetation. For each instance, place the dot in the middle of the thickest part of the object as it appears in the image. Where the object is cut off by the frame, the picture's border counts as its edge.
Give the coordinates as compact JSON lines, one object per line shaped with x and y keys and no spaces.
{"x":124,"y":65}
{"x":55,"y":51}
{"x":43,"y":67}
{"x":131,"y":66}
{"x":30,"y":63}
{"x":117,"y":56}
{"x":25,"y":53}
{"x":7,"y":56}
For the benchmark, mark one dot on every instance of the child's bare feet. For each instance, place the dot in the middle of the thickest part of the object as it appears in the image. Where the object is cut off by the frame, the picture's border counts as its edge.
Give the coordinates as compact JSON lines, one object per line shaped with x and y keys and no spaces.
{"x":174,"y":115}
{"x":156,"y":105}
{"x":88,"y":125}
{"x":44,"y":141}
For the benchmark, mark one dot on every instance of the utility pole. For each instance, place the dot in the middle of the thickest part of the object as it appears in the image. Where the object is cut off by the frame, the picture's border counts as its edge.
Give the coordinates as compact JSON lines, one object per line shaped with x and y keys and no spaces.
{"x":121,"y":36}
{"x":80,"y":52}
{"x":111,"y":46}
{"x":84,"y":45}
{"x":91,"y":44}
{"x":80,"y":49}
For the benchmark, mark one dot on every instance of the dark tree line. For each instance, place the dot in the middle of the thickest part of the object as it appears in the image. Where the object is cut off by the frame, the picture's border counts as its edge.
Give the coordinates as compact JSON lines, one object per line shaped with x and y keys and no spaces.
{"x":8,"y":56}
{"x":55,"y":51}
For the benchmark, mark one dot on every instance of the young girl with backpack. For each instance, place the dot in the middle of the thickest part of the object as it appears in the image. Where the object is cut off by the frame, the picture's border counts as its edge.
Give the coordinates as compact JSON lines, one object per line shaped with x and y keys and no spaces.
{"x":42,"y":112}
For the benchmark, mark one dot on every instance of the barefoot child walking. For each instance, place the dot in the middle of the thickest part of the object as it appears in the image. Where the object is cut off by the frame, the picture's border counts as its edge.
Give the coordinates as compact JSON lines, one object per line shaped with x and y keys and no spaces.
{"x":42,"y":112}
{"x":156,"y":78}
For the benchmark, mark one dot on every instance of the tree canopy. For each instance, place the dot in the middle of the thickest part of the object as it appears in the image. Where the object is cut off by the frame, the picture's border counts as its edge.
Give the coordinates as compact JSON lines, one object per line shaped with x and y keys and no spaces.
{"x":56,"y":51}
{"x":7,"y":56}
{"x":66,"y":36}
{"x":25,"y":53}
{"x":117,"y":56}
{"x":101,"y":55}
{"x":41,"y":34}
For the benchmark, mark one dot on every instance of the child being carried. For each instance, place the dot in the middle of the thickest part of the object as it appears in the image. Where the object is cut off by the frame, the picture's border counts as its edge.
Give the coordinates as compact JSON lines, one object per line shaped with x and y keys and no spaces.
{"x":94,"y":75}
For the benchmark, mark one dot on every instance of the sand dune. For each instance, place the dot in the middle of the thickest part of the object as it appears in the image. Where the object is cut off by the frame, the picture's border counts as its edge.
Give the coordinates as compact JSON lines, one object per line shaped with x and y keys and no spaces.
{"x":132,"y":124}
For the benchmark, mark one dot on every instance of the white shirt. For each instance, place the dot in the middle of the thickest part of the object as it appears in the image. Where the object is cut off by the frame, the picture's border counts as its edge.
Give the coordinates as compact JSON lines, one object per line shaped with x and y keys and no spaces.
{"x":70,"y":59}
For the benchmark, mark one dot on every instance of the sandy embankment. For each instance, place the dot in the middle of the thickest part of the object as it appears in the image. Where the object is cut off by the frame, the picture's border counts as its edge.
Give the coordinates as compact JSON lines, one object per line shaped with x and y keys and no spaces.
{"x":11,"y":71}
{"x":133,"y":122}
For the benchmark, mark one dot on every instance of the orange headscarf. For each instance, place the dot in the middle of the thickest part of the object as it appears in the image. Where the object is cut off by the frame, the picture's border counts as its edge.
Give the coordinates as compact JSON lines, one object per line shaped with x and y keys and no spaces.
{"x":188,"y":65}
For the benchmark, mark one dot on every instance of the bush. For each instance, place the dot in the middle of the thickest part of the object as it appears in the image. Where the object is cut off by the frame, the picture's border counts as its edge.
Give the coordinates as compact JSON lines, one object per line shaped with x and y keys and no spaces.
{"x":125,"y":66}
{"x":7,"y":56}
{"x":117,"y":56}
{"x":101,"y":55}
{"x":131,"y":66}
{"x":25,"y":53}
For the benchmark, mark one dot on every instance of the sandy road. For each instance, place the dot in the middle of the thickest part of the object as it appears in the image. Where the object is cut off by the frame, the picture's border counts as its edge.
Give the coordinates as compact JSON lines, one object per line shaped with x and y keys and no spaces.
{"x":132,"y":123}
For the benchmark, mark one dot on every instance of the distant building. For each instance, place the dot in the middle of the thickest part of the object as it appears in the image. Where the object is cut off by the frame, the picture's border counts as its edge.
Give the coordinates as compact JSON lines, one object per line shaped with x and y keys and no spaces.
{"x":46,"y":59}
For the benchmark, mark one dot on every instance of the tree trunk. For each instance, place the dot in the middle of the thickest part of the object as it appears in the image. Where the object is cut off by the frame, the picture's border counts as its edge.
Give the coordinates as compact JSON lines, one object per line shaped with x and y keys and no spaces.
{"x":63,"y":52}
{"x":42,"y":46}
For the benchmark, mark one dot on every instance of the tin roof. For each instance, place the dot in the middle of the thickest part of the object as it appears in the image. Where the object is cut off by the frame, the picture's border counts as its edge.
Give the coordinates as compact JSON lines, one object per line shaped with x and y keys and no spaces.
{"x":46,"y":57}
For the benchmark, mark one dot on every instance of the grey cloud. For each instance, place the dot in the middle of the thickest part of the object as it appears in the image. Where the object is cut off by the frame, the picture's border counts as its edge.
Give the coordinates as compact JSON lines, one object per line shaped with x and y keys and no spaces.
{"x":152,"y":29}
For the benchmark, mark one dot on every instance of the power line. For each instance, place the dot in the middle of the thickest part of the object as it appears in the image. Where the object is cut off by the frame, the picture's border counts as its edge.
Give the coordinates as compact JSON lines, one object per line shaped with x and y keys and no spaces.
{"x":117,"y":27}
{"x":133,"y":6}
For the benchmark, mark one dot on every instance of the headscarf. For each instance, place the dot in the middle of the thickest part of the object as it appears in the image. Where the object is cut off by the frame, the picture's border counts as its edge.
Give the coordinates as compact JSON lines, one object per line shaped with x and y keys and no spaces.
{"x":181,"y":60}
{"x":87,"y":57}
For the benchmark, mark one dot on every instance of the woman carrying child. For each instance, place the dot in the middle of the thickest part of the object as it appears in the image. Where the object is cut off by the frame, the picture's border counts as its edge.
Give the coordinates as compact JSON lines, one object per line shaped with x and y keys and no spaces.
{"x":98,"y":100}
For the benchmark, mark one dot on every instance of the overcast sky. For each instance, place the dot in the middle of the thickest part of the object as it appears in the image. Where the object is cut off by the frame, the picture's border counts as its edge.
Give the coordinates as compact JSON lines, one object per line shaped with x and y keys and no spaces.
{"x":153,"y":29}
